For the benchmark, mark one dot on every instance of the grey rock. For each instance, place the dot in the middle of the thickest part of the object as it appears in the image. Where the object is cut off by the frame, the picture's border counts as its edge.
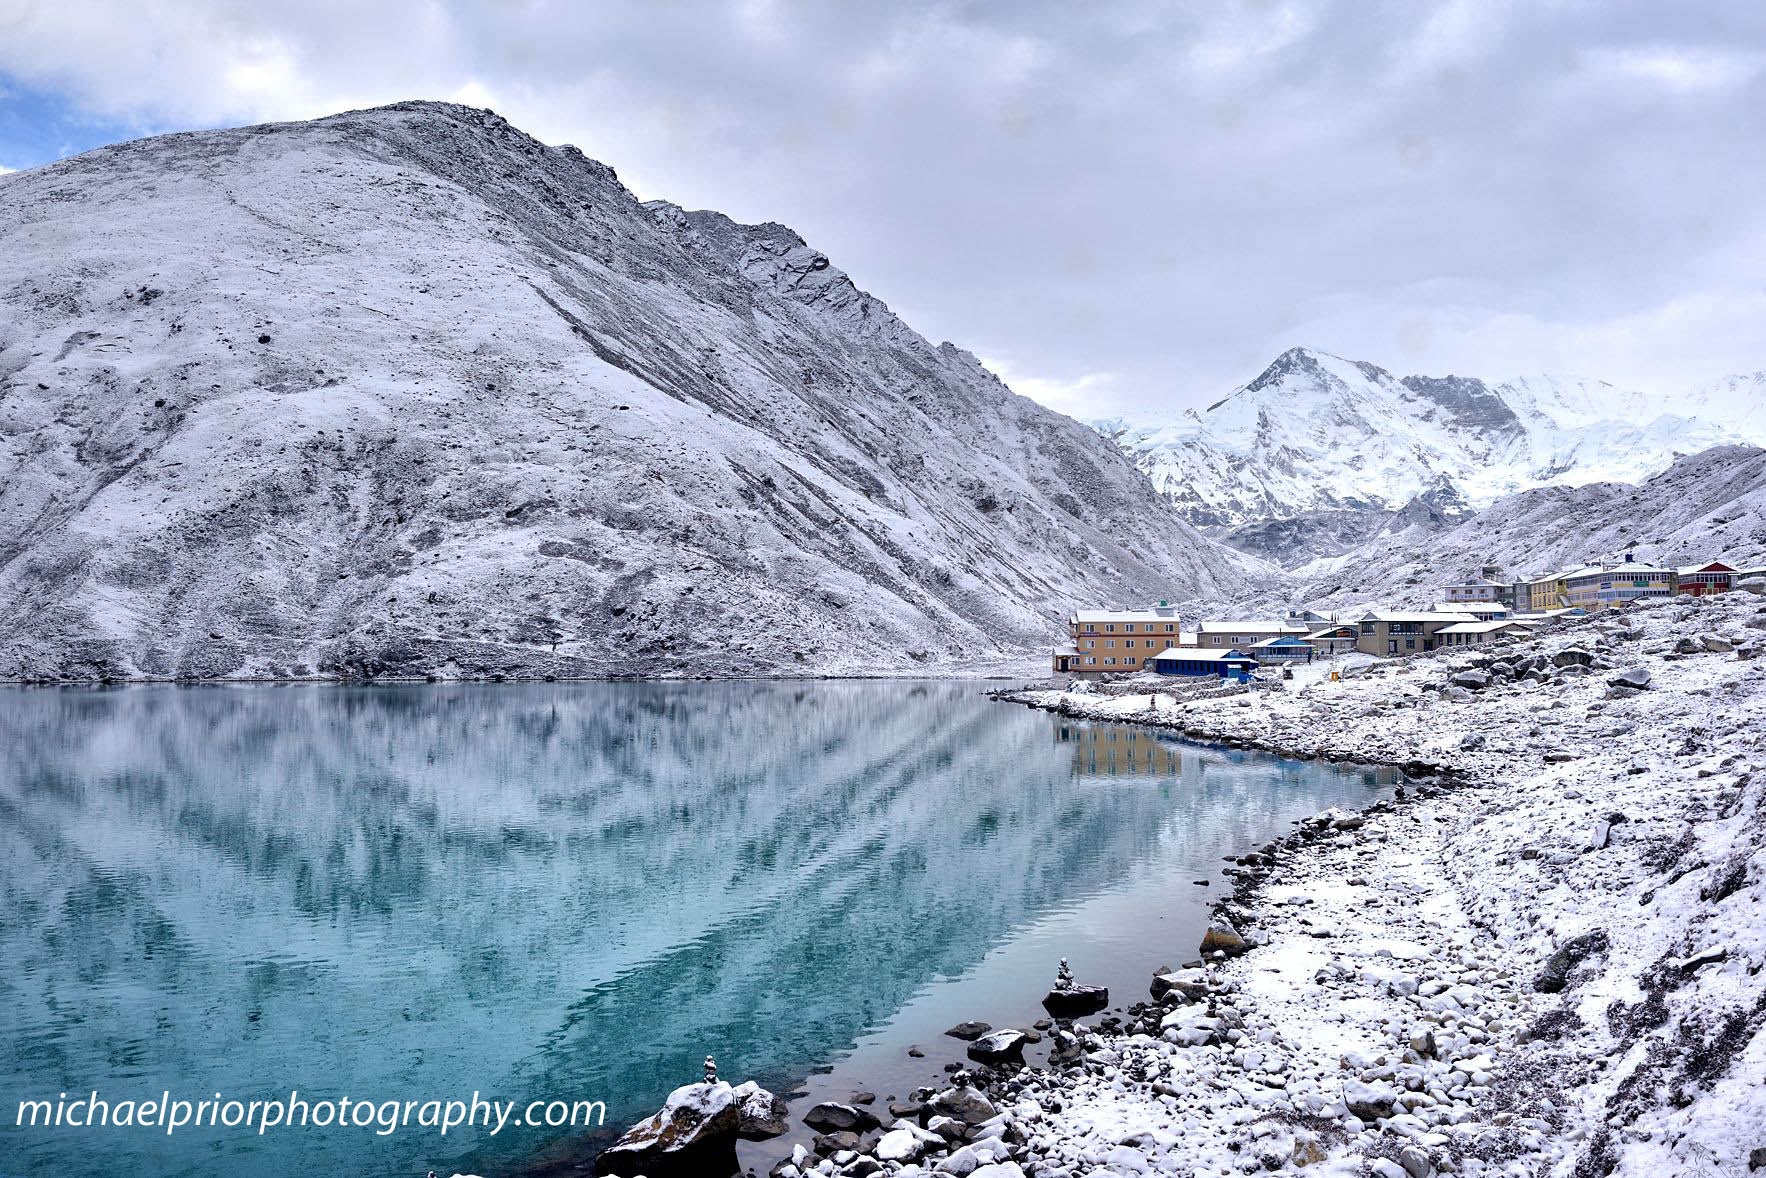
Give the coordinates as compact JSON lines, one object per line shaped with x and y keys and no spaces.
{"x":965,"y":1104}
{"x":693,"y":1134}
{"x":999,"y":1047}
{"x":833,"y":1117}
{"x":760,"y":1113}
{"x":1558,"y":967}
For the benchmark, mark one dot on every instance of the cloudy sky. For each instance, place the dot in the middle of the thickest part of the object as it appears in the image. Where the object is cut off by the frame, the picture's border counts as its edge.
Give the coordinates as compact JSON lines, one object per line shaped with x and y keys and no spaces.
{"x":1124,"y":207}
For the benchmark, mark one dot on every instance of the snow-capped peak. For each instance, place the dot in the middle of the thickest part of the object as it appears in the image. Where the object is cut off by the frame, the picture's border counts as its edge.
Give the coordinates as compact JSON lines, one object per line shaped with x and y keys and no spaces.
{"x":1318,"y":432}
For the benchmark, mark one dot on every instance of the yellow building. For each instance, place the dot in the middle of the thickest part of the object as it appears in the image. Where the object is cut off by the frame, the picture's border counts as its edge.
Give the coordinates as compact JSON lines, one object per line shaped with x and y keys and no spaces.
{"x":1122,"y":641}
{"x":1608,"y":586}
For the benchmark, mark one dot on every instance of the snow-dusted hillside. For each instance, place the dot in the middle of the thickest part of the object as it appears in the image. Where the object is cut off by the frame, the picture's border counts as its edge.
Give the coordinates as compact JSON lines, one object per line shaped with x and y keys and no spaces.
{"x":406,"y":391}
{"x":1317,"y":433}
{"x":1707,"y":506}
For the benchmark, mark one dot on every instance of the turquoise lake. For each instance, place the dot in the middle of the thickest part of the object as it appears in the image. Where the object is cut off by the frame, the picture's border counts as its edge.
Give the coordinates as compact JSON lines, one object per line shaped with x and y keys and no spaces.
{"x":565,"y":891}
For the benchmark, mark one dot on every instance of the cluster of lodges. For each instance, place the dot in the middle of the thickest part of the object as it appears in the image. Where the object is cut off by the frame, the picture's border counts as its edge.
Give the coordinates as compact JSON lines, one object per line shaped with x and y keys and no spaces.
{"x":1119,"y":642}
{"x":1601,"y":585}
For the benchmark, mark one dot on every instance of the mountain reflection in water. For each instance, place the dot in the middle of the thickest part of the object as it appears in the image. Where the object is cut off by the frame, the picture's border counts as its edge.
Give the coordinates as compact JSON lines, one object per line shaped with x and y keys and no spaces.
{"x":533,"y":891}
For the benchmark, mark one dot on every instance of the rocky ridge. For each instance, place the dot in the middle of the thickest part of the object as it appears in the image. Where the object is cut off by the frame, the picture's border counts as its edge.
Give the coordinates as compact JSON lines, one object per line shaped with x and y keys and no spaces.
{"x":405,"y":392}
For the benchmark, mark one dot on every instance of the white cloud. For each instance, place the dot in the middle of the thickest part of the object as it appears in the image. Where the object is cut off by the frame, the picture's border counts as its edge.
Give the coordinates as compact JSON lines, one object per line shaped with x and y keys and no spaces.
{"x":1077,"y":396}
{"x":1137,"y":203}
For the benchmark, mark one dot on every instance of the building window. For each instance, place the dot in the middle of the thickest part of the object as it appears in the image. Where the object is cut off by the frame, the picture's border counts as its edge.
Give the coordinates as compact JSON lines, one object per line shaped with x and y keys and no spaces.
{"x":1090,"y":661}
{"x":1109,"y":662}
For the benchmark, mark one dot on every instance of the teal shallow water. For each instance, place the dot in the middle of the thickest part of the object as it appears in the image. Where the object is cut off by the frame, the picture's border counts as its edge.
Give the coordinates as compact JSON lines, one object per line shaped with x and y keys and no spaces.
{"x":572,"y":891}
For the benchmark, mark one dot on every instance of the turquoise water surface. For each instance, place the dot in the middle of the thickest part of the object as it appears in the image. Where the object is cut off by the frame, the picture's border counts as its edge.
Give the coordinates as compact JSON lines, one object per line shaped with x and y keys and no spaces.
{"x":563,"y":891}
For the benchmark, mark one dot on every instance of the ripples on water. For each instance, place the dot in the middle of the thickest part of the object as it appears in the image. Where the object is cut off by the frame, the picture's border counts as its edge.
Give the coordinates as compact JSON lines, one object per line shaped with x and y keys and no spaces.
{"x":558,"y":890}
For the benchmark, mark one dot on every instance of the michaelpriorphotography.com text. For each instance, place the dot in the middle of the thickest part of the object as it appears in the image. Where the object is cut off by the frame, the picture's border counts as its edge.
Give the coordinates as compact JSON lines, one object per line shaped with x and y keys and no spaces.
{"x":169,"y":1114}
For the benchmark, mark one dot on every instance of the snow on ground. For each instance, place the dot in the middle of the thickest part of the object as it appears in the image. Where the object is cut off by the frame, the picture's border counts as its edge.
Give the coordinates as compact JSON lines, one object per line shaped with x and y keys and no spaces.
{"x":1544,"y":958}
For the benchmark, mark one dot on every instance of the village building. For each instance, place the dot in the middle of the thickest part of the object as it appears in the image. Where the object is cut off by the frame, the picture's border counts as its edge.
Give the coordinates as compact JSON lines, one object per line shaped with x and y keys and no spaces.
{"x":1106,"y":641}
{"x":1478,"y":609}
{"x":1283,"y":650}
{"x":1609,"y":586}
{"x":1702,"y":580}
{"x":1393,"y":632}
{"x":1332,"y":640}
{"x":1479,"y":589}
{"x":1540,"y":594}
{"x":1478,"y":633}
{"x":1189,"y":662}
{"x":1219,"y":635}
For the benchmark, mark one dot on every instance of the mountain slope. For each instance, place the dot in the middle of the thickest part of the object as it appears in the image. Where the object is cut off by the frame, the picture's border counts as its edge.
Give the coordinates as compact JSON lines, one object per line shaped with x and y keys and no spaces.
{"x":406,"y":391}
{"x":1317,"y":433}
{"x":1706,"y":506}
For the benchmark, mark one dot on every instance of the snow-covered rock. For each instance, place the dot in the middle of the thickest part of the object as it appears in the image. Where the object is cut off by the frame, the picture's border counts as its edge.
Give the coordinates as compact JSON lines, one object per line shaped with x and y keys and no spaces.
{"x":693,"y":1133}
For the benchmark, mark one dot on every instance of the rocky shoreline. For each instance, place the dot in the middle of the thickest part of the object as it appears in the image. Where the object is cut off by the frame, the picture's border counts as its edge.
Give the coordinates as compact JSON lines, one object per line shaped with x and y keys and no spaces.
{"x":1543,"y":957}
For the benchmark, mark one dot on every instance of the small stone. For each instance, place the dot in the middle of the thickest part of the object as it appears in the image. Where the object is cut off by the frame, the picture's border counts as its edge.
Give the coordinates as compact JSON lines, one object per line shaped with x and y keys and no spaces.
{"x":970,"y":1030}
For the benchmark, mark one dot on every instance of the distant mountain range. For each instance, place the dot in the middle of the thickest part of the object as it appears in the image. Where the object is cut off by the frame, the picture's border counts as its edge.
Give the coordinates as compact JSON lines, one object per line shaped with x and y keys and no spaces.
{"x":1705,"y":506}
{"x":1318,"y":453}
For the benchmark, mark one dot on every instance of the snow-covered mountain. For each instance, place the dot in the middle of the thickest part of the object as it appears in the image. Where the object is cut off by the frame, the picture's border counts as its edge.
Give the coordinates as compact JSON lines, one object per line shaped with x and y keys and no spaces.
{"x":407,"y":391}
{"x":1317,"y":433}
{"x":1706,"y":506}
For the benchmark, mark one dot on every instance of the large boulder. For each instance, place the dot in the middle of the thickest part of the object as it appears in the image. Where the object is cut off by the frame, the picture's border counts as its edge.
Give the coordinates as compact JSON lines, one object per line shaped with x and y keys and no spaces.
{"x":1633,"y":678}
{"x":693,"y":1135}
{"x":760,"y":1114}
{"x":1471,"y":680}
{"x":1573,"y":952}
{"x":906,"y":1143}
{"x":1222,"y":937}
{"x":1370,"y":1102}
{"x":999,"y":1047}
{"x":966,"y":1104}
{"x":1190,"y":984}
{"x":833,"y":1117}
{"x":1075,"y":1001}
